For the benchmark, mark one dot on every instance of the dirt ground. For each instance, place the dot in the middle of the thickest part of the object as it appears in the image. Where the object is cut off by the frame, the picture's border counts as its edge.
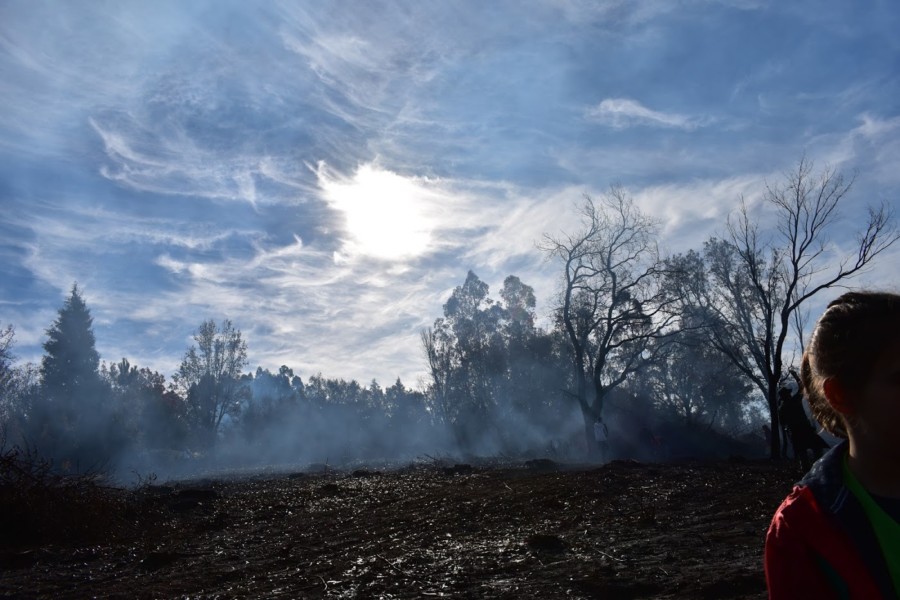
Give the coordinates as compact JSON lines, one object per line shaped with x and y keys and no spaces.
{"x":535,"y":530}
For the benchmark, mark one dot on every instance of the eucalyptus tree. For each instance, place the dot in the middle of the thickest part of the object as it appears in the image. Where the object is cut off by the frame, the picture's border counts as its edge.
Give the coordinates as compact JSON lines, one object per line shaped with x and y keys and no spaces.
{"x":522,"y":376}
{"x":150,"y":415}
{"x":615,"y":305}
{"x":19,"y":399}
{"x":464,"y":351}
{"x":7,"y":379}
{"x":494,"y":374}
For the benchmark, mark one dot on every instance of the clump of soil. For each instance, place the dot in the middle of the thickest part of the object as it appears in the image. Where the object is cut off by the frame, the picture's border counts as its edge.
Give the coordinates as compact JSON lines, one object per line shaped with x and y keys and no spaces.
{"x":624,"y":530}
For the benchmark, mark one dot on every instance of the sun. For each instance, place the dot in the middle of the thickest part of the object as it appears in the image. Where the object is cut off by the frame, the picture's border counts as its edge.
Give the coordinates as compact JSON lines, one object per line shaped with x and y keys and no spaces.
{"x":385,"y":212}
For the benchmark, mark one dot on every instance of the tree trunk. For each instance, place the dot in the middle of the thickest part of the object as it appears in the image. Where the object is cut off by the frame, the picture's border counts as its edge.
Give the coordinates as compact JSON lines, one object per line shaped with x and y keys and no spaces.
{"x":590,"y":414}
{"x":592,"y":450}
{"x":775,"y":423}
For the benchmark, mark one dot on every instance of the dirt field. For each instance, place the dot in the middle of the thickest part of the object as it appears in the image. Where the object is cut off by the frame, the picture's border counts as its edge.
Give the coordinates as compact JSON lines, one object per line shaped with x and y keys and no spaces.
{"x":538,"y":530}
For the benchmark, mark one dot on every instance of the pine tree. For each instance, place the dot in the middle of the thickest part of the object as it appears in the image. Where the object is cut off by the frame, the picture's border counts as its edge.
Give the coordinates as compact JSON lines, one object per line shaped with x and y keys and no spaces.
{"x":69,"y":368}
{"x":72,"y":421}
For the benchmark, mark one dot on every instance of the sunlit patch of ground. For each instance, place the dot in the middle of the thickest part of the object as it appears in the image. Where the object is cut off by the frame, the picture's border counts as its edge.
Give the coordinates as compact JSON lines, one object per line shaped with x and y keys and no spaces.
{"x":625,"y":530}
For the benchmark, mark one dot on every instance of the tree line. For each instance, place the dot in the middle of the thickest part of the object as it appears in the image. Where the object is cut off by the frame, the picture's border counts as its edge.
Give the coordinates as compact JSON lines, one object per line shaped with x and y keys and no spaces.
{"x":83,"y":414}
{"x":693,"y":338}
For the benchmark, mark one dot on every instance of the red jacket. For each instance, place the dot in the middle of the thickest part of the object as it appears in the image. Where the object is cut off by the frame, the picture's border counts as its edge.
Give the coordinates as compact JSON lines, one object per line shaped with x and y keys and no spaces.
{"x":820,"y":543}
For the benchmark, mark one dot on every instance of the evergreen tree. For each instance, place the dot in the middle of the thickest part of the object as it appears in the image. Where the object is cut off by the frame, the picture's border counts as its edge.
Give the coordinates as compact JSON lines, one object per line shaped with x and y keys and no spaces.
{"x":69,"y":368}
{"x":71,"y":420}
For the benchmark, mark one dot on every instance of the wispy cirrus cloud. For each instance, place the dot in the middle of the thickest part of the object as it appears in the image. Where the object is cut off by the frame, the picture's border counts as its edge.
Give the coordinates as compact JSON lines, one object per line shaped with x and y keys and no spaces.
{"x":875,"y":143}
{"x":622,"y":113}
{"x":616,"y":13}
{"x":141,"y":159}
{"x":325,"y":173}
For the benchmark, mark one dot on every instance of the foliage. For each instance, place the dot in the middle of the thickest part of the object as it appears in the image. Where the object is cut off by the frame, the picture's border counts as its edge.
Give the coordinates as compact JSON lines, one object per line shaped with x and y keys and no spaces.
{"x":7,"y":373}
{"x":209,"y":377}
{"x":71,"y":419}
{"x":69,"y":368}
{"x":22,"y":391}
{"x":495,"y":377}
{"x":694,"y":383}
{"x":149,"y":414}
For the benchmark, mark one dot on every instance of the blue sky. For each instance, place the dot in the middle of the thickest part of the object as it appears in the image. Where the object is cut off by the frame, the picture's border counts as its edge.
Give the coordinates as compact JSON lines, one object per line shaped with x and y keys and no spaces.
{"x":324,"y":173}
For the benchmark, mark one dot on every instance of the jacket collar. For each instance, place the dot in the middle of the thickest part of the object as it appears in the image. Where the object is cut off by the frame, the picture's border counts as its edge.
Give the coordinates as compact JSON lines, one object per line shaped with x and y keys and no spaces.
{"x":826,"y":479}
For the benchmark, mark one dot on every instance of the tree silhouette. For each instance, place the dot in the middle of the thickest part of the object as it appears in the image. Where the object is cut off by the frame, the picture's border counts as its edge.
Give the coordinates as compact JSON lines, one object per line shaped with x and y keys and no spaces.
{"x":615,"y":306}
{"x":70,"y":366}
{"x":148,"y":414}
{"x":70,"y":416}
{"x":760,"y":282}
{"x":209,"y":377}
{"x":494,"y":375}
{"x":7,"y":335}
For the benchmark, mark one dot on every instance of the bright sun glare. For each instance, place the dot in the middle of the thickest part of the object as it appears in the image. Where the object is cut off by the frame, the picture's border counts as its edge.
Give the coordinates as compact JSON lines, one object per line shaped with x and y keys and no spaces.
{"x":384,"y":212}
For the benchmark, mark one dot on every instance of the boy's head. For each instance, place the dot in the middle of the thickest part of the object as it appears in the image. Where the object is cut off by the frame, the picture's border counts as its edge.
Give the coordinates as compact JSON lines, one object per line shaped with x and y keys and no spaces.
{"x":851,"y":350}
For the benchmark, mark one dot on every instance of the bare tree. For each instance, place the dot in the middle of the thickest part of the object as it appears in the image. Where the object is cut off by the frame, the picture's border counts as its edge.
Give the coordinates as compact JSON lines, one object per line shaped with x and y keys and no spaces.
{"x":761,"y":283}
{"x":615,"y":306}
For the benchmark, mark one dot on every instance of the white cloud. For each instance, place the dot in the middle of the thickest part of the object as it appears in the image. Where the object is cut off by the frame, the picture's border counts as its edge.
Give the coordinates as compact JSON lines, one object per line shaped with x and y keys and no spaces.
{"x":872,"y":148}
{"x":690,"y":212}
{"x":873,"y":127}
{"x":514,"y":221}
{"x":370,"y":62}
{"x":621,"y":113}
{"x":613,"y":13}
{"x":310,"y":309}
{"x":148,"y":161}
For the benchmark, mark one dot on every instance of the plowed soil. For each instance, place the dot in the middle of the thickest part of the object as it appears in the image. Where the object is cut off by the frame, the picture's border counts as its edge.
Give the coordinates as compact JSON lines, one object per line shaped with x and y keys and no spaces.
{"x":536,"y":530}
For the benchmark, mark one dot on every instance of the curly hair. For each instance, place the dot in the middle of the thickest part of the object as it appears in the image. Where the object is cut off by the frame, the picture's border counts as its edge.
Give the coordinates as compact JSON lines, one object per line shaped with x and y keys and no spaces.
{"x":850,"y":336}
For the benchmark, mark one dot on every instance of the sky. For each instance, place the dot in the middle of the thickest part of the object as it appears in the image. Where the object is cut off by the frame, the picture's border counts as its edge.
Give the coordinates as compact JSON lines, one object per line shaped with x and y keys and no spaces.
{"x":325,"y":173}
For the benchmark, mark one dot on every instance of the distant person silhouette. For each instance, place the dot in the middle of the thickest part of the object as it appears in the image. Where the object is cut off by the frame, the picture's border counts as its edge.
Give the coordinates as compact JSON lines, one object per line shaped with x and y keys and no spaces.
{"x":601,"y":437}
{"x":654,"y":443}
{"x":803,"y":436}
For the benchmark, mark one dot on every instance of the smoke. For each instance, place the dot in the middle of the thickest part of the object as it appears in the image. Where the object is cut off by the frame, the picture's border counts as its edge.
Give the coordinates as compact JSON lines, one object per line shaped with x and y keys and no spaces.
{"x":290,"y":425}
{"x":500,"y":388}
{"x":286,"y":424}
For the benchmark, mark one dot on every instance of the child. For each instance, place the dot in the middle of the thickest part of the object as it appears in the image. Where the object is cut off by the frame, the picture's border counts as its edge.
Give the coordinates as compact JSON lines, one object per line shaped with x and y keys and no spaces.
{"x":837,"y":535}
